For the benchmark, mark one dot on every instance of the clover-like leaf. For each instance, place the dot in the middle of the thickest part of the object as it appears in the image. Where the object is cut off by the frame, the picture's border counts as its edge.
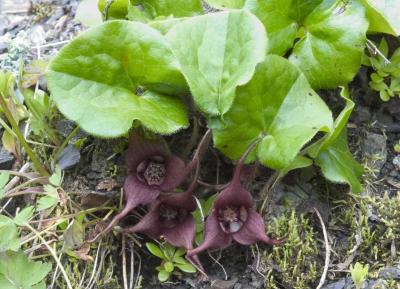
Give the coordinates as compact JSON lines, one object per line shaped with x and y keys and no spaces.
{"x":277,"y":105}
{"x":17,"y":272}
{"x":330,"y":52}
{"x":217,"y":53}
{"x":338,"y":165}
{"x":383,"y":16}
{"x":22,"y":218}
{"x":9,"y":239}
{"x":94,"y":79}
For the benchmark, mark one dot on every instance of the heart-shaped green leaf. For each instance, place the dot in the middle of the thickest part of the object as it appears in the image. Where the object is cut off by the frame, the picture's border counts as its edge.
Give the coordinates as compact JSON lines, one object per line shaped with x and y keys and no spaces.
{"x":278,"y":106}
{"x":383,"y":16}
{"x":328,"y":52}
{"x":281,"y":19}
{"x":217,"y":53}
{"x":331,"y":153}
{"x":94,"y":80}
{"x":338,"y":165}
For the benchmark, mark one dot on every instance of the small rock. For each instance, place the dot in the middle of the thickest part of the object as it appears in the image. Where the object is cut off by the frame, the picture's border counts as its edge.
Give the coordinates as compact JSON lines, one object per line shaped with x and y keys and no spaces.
{"x":362,"y":114}
{"x":6,"y":159}
{"x":390,"y":273}
{"x":393,"y":173}
{"x":396,"y":162}
{"x":374,"y":284}
{"x":341,"y":284}
{"x":375,"y":149}
{"x":69,"y":157}
{"x":221,"y":284}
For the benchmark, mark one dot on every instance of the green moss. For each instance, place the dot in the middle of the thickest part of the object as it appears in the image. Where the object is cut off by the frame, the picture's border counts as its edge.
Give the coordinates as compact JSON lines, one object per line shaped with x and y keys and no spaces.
{"x":294,"y":263}
{"x":377,"y":236}
{"x":41,"y":11}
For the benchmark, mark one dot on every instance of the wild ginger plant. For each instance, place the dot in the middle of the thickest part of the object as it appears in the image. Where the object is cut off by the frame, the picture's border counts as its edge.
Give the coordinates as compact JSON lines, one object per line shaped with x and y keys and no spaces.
{"x":251,"y":73}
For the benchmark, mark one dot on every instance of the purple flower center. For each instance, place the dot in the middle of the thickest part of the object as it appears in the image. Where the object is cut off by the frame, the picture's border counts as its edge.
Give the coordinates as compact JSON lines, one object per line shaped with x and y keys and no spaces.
{"x":170,"y":216}
{"x":152,"y":171}
{"x":231,"y":219}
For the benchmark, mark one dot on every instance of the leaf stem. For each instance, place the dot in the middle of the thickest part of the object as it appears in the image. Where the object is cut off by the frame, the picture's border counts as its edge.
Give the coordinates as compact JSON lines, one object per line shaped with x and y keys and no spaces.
{"x":36,"y":163}
{"x":66,"y":141}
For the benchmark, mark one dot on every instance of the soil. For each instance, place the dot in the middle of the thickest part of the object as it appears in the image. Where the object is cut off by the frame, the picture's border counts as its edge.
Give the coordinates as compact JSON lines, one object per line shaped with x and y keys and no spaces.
{"x":97,"y":174}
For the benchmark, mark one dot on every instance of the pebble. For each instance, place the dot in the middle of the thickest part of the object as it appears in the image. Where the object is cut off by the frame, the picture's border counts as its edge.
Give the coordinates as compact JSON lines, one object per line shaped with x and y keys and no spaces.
{"x":396,"y":162}
{"x":374,"y":147}
{"x":390,"y":273}
{"x":6,"y":159}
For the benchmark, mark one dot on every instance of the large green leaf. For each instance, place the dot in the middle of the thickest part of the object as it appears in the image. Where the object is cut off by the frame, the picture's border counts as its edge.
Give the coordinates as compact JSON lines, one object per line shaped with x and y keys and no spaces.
{"x":117,"y":9}
{"x":275,"y":15}
{"x":278,"y":106}
{"x":9,"y":239}
{"x":177,"y":8}
{"x":383,"y":16}
{"x":94,"y":80}
{"x":218,"y":52}
{"x":225,"y":4}
{"x":338,"y":165}
{"x":330,"y":52}
{"x":17,"y":272}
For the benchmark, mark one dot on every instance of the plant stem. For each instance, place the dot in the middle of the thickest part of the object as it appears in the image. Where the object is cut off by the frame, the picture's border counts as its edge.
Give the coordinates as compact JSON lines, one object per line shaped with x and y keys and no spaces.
{"x":66,"y":141}
{"x":36,"y":163}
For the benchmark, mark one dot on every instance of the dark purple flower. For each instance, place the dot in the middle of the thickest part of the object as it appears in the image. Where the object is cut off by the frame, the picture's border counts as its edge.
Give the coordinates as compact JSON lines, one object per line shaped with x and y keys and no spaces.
{"x":232,"y":217}
{"x":170,"y":216}
{"x":151,"y":170}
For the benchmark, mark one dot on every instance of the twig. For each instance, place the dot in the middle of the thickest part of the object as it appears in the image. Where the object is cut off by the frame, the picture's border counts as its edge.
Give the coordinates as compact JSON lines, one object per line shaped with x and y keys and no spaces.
{"x":372,"y":47}
{"x":193,"y":138}
{"x":11,"y":184}
{"x":51,"y":44}
{"x":138,"y":280}
{"x":327,"y":251}
{"x":219,"y":264}
{"x":94,"y":265}
{"x":132,"y":272}
{"x":125,"y":278}
{"x":53,"y":253}
{"x":266,"y":189}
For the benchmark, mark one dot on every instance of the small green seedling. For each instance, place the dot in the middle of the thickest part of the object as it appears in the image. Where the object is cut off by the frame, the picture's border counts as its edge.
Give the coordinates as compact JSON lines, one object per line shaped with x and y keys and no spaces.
{"x":51,"y":198}
{"x":397,"y":147}
{"x":172,"y":258}
{"x":386,"y":78}
{"x":359,"y":273}
{"x":202,"y":211}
